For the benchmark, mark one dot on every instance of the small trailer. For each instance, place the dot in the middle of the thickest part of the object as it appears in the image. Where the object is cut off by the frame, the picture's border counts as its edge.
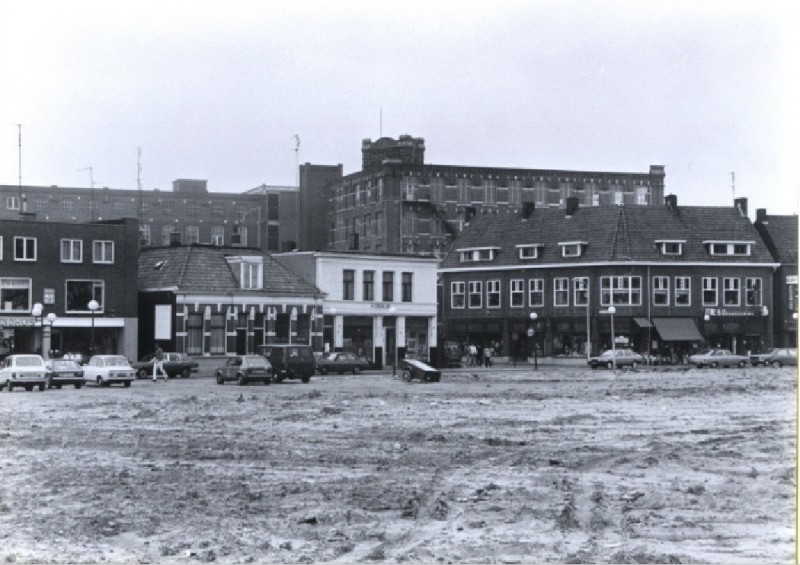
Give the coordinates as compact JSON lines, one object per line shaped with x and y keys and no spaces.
{"x":415,"y":369}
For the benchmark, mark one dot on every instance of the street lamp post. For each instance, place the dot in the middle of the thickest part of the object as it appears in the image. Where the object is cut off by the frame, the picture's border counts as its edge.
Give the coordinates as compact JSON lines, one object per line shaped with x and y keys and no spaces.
{"x":47,"y":333}
{"x":611,"y":311}
{"x":36,"y":312}
{"x":93,"y":306}
{"x":533,"y":316}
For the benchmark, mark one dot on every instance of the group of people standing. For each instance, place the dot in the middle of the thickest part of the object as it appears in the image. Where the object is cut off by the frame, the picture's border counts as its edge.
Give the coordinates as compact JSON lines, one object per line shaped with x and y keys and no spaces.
{"x":478,"y":355}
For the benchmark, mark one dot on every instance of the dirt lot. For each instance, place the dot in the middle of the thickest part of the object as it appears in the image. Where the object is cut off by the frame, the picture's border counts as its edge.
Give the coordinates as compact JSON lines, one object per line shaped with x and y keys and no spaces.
{"x":490,"y":467}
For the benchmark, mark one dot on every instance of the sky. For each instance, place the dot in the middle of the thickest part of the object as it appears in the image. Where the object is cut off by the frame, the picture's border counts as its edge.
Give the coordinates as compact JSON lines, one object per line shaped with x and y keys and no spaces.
{"x":117,"y":93}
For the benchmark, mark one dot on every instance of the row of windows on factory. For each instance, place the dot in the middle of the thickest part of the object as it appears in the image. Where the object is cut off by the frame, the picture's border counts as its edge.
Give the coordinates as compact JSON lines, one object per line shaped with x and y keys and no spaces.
{"x":489,"y":191}
{"x":131,"y":205}
{"x":614,"y":291}
{"x":214,"y":235}
{"x":368,"y":286}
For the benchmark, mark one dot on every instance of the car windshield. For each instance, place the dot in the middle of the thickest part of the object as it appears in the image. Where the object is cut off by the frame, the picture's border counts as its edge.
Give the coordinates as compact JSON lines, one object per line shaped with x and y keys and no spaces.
{"x":256,"y":361}
{"x":28,"y":361}
{"x":115,"y":360}
{"x":64,"y":364}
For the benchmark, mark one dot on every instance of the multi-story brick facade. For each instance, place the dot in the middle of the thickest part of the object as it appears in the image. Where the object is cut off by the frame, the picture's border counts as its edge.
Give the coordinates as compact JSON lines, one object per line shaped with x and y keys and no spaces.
{"x":780,"y":234}
{"x":399,"y":204}
{"x":264,"y":217}
{"x":677,"y":277}
{"x":63,"y":266}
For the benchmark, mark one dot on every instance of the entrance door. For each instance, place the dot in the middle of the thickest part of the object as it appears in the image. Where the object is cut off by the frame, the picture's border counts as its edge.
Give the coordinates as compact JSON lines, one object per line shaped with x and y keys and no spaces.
{"x":391,"y":347}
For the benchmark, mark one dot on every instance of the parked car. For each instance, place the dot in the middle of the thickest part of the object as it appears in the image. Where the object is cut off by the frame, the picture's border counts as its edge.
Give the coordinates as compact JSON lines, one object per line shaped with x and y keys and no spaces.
{"x":23,"y":370}
{"x":784,"y":356}
{"x":718,"y":358}
{"x":62,"y":372}
{"x":781,"y":356}
{"x":175,"y":364}
{"x":342,"y":362}
{"x":244,"y":369}
{"x":289,"y":361}
{"x":616,"y":357}
{"x":105,"y":370}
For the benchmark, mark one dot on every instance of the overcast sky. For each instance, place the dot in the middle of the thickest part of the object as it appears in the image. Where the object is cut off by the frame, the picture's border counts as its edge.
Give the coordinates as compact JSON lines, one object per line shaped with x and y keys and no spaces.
{"x":219,"y":90}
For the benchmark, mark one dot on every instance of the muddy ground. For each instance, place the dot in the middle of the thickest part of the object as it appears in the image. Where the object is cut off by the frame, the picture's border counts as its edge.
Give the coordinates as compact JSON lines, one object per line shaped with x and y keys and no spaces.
{"x":563,"y":465}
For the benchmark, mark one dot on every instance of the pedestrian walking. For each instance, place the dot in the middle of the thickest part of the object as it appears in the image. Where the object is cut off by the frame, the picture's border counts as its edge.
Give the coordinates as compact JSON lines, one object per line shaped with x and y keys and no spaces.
{"x":158,"y":364}
{"x":487,"y":356}
{"x":473,"y":353}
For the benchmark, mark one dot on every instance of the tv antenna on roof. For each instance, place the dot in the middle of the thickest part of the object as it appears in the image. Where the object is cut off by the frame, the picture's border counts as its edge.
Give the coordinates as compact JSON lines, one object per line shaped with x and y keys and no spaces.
{"x":733,"y":184}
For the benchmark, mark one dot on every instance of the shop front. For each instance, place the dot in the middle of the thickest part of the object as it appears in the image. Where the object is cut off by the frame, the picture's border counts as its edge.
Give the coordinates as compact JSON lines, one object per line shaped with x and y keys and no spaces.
{"x":741,"y":330}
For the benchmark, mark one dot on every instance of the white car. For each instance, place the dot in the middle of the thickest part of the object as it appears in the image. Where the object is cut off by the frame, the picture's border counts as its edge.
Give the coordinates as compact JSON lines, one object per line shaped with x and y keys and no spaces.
{"x":105,"y":370}
{"x":23,"y":370}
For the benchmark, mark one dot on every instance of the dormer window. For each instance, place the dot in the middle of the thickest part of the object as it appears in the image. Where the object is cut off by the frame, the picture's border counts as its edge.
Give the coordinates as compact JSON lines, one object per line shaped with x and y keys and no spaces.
{"x":572,"y":248}
{"x":478,"y":254}
{"x":529,"y":250}
{"x":670,"y":246}
{"x":729,"y":248}
{"x":249,"y":270}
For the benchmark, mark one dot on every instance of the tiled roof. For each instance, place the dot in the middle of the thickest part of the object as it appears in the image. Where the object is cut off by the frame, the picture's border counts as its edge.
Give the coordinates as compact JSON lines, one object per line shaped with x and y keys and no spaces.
{"x":782,"y":234}
{"x":611,"y":234}
{"x":198,"y":268}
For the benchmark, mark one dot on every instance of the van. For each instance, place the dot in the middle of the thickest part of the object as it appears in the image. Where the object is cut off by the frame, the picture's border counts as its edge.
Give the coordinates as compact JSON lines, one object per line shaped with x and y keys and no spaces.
{"x":289,"y":361}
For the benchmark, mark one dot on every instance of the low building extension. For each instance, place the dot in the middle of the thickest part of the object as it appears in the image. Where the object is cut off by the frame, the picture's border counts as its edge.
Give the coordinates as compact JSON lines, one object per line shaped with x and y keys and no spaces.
{"x":207,"y":300}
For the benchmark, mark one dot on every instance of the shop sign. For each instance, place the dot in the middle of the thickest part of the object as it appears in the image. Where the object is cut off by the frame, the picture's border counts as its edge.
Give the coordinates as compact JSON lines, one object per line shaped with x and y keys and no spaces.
{"x":735,"y":311}
{"x":382,"y":305}
{"x":10,"y":322}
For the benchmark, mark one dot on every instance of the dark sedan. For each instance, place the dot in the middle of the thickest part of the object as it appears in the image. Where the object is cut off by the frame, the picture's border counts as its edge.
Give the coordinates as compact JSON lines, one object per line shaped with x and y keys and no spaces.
{"x":62,"y":372}
{"x":175,"y":365}
{"x":782,"y":356}
{"x":342,"y":362}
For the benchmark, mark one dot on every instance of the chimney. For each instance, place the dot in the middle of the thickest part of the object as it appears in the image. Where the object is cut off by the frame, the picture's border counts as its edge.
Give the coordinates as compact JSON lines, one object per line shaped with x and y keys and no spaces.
{"x":572,"y":205}
{"x":761,"y":216}
{"x":527,"y":209}
{"x":671,"y":200}
{"x":741,"y":205}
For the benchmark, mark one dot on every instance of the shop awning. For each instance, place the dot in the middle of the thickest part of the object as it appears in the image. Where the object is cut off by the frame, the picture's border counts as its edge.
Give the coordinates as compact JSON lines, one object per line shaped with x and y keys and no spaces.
{"x":677,"y":329}
{"x":643,"y":322}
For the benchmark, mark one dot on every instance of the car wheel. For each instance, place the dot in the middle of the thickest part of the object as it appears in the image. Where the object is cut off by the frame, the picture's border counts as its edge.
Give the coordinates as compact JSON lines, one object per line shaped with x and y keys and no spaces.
{"x":29,"y":387}
{"x":714,"y":365}
{"x":777,"y":364}
{"x":220,"y":380}
{"x":41,"y":387}
{"x":305,"y":379}
{"x":356,"y":370}
{"x":142,"y":374}
{"x":323,"y":370}
{"x":58,"y":387}
{"x":741,"y":364}
{"x":634,"y":364}
{"x":78,"y":386}
{"x":185,"y":373}
{"x":10,"y":388}
{"x":99,"y":381}
{"x":241,"y":380}
{"x":126,"y":384}
{"x":610,"y":365}
{"x":268,"y":381}
{"x":278,"y":379}
{"x":407,"y":375}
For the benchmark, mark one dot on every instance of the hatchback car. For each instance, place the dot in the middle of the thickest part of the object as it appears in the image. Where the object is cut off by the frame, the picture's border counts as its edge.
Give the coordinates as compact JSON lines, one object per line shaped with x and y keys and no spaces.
{"x":782,"y":356}
{"x":718,"y":358}
{"x":342,"y":362}
{"x":244,"y":369}
{"x":23,"y":370}
{"x":616,"y":357}
{"x":62,"y":372}
{"x":105,"y":370}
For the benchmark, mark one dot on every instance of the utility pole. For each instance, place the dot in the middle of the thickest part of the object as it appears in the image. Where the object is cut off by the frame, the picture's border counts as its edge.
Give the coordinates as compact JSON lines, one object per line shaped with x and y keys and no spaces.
{"x":297,"y":157}
{"x":139,"y":181}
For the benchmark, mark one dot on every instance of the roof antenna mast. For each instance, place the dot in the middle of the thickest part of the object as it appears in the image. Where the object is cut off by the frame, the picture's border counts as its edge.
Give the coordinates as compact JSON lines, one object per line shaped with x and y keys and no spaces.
{"x":733,"y":184}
